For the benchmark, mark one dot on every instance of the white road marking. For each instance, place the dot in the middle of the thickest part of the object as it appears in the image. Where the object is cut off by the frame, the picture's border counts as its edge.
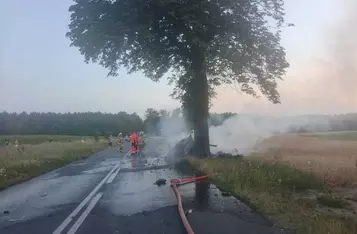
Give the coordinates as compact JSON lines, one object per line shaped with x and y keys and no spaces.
{"x":85,"y":213}
{"x":65,"y":223}
{"x":112,"y":176}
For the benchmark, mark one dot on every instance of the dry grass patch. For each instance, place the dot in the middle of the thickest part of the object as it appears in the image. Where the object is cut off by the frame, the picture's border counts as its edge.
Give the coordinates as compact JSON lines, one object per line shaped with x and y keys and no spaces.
{"x":32,"y":160}
{"x":334,"y":161}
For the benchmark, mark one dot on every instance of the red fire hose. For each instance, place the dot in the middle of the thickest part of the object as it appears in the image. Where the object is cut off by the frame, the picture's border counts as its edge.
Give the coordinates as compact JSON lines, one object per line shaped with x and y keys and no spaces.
{"x":175,"y":183}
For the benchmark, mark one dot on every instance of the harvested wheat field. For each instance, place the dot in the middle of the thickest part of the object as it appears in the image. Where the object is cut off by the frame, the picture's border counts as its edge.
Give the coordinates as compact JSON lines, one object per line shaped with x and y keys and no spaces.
{"x":329,"y":156}
{"x":332,"y":157}
{"x":304,"y":182}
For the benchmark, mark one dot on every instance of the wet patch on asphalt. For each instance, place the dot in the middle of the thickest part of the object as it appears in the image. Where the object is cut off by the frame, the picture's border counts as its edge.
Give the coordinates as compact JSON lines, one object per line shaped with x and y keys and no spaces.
{"x":43,"y":197}
{"x":54,"y":190}
{"x":135,"y":193}
{"x":163,"y":220}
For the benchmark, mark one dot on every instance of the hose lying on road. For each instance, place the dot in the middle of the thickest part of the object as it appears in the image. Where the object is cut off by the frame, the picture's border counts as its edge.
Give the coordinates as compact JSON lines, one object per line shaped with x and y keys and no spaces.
{"x":175,"y":183}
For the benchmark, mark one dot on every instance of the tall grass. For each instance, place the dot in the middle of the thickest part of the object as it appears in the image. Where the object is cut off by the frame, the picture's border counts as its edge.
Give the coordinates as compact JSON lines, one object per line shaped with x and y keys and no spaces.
{"x":273,"y":189}
{"x":37,"y":139}
{"x":32,"y":160}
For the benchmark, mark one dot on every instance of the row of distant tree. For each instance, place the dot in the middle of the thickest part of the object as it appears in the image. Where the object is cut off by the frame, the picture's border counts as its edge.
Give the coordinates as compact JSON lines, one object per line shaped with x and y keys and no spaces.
{"x":157,"y":121}
{"x":97,"y":123}
{"x":322,"y":123}
{"x":90,"y":123}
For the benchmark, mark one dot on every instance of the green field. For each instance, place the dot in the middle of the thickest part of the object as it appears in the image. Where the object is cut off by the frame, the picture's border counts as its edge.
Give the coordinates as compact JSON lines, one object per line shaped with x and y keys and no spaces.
{"x":343,"y":136}
{"x":37,"y":139}
{"x":35,"y":155}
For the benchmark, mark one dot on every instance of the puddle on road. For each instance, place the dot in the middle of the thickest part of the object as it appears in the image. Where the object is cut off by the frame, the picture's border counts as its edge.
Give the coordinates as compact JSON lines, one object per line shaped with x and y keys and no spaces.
{"x":135,"y":192}
{"x":135,"y":162}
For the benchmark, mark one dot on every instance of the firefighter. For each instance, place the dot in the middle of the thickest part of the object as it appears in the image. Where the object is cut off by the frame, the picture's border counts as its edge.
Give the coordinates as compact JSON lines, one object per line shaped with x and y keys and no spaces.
{"x":133,"y":141}
{"x":110,"y":140}
{"x":120,"y":142}
{"x":140,"y":142}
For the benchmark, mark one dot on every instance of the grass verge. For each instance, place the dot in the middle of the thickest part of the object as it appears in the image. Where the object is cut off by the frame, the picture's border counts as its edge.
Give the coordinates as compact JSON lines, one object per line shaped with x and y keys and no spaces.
{"x":34,"y":160}
{"x":278,"y":192}
{"x":38,"y":139}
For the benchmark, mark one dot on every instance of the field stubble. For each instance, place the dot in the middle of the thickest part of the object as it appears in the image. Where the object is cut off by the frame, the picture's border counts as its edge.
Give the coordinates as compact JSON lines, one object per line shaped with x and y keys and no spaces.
{"x":334,"y":161}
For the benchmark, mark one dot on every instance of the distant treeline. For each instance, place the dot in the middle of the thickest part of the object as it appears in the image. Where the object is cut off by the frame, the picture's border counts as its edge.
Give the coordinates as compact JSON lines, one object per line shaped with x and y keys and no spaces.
{"x":87,"y":123}
{"x":97,"y":123}
{"x":173,"y":122}
{"x":84,"y":124}
{"x":325,"y":123}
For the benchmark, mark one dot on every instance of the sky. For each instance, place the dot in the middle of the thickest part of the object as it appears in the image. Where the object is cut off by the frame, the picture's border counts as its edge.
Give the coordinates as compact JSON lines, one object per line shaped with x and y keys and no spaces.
{"x":39,"y":71}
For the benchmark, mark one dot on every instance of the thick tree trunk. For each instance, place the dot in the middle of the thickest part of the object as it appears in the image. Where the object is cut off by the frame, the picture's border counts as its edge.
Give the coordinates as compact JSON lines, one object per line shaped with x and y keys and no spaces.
{"x":201,"y":103}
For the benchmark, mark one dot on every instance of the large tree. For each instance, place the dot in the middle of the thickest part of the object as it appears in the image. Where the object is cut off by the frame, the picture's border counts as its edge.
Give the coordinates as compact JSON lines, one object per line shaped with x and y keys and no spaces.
{"x":204,"y":43}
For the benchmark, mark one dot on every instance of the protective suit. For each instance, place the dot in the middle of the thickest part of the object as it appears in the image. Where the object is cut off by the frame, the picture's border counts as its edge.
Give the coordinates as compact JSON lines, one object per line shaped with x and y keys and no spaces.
{"x":110,"y":140}
{"x":133,"y":141}
{"x":120,"y":142}
{"x":140,"y":142}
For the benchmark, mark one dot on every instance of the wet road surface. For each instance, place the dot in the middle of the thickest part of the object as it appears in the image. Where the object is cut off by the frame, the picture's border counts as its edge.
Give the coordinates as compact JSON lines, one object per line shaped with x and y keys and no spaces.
{"x":113,"y":192}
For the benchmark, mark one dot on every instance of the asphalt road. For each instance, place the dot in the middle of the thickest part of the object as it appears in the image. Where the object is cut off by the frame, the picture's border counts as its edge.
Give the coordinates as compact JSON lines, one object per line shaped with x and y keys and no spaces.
{"x":113,"y":192}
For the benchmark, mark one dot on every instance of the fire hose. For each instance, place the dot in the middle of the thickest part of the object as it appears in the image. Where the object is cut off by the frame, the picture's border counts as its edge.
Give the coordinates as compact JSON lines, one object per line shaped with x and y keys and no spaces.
{"x":175,"y":183}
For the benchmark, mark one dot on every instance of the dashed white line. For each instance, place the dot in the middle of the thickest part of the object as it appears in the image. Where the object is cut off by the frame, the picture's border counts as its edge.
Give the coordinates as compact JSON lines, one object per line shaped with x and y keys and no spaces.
{"x":65,"y":223}
{"x":112,"y":176}
{"x":85,"y":213}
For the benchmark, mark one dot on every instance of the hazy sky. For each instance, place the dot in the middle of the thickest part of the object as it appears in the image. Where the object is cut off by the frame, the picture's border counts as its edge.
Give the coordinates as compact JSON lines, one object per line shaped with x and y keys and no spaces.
{"x":40,"y":72}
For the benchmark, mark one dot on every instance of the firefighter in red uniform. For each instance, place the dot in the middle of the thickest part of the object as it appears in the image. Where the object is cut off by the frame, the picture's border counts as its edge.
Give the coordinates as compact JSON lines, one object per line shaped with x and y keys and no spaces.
{"x":133,"y":141}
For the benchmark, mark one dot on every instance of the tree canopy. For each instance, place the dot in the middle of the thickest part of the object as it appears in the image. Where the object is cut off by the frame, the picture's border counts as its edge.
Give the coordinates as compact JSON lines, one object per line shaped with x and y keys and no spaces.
{"x":203,"y":43}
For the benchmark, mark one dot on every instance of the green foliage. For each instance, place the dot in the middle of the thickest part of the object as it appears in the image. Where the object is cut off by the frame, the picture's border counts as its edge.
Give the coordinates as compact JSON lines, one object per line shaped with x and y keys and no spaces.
{"x":331,"y":201}
{"x":85,"y":124}
{"x":239,"y":41}
{"x":152,"y":121}
{"x":202,"y":43}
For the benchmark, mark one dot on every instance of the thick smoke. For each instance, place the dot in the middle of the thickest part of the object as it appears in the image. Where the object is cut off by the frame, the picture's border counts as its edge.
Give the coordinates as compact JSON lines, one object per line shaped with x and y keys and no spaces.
{"x":243,"y":133}
{"x":173,"y":129}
